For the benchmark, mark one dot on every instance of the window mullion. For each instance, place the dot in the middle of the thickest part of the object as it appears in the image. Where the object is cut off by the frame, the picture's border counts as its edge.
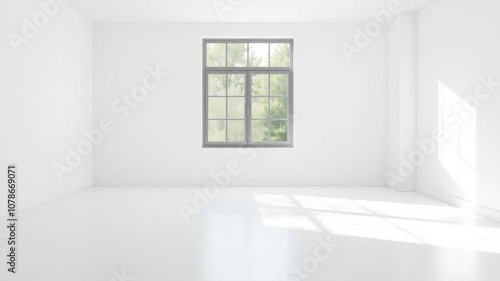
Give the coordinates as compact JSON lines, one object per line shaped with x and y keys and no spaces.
{"x":226,"y":125}
{"x":248,"y":85}
{"x":226,"y":104}
{"x":269,"y":106}
{"x":291,"y":96}
{"x":268,"y":55}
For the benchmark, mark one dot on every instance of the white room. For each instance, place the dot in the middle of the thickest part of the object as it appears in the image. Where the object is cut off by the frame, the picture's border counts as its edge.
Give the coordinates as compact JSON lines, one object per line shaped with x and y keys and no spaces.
{"x":200,"y":140}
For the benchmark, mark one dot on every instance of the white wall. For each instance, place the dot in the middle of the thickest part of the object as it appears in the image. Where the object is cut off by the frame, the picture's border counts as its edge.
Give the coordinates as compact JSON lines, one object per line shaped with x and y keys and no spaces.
{"x":340,"y":108}
{"x":45,"y":101}
{"x":402,"y":100}
{"x":458,"y":42}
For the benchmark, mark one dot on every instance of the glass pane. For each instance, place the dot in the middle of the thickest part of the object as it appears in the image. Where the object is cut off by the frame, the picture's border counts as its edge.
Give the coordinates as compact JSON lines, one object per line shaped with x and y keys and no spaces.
{"x":216,"y":130}
{"x":260,"y":131}
{"x":278,"y":131}
{"x":236,"y":130}
{"x":237,"y":55}
{"x":260,"y":108}
{"x":236,"y":84}
{"x":259,"y":54}
{"x":236,"y":108}
{"x":260,"y":84}
{"x":216,"y":108}
{"x":216,"y":84}
{"x":280,"y":55}
{"x":279,"y":108}
{"x":216,"y":54}
{"x":279,"y":84}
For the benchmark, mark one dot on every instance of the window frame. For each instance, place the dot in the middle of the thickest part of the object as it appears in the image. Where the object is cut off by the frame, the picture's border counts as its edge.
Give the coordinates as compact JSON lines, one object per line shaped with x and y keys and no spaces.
{"x":247,"y":71}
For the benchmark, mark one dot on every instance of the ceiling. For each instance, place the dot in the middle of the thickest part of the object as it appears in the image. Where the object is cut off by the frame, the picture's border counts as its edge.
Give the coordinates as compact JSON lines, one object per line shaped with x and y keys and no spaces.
{"x":235,"y":11}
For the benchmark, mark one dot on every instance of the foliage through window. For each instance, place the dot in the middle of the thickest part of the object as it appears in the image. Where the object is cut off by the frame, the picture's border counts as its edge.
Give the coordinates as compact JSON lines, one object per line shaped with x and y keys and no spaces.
{"x":247,"y":92}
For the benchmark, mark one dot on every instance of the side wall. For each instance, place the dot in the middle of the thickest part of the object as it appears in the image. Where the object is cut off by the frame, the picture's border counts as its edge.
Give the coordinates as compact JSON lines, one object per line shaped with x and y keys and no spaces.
{"x":45,"y":99}
{"x":458,"y":44}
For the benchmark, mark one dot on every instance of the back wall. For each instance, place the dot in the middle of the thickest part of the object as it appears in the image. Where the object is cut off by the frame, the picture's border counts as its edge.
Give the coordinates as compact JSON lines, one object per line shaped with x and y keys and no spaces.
{"x":340,"y":127}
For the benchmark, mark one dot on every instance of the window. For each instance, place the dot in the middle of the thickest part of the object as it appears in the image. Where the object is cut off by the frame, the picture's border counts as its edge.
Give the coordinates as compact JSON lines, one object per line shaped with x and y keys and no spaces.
{"x":247,"y":92}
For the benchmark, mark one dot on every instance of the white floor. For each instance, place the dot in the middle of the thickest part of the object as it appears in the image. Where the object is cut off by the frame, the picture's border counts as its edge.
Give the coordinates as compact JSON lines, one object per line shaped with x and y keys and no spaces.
{"x":257,"y":234}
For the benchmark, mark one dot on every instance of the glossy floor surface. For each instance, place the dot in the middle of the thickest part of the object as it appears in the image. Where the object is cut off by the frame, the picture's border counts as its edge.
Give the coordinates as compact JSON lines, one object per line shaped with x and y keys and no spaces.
{"x":252,"y":234}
